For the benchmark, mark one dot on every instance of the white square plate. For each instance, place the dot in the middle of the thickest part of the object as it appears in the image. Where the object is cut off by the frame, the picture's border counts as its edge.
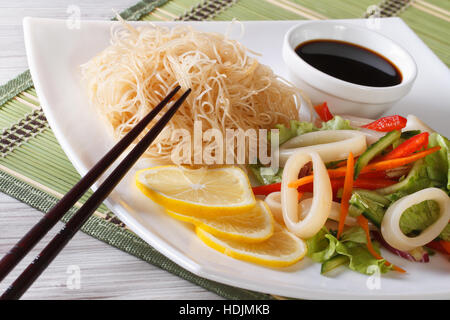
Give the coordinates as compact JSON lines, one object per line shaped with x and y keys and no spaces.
{"x":55,"y":53}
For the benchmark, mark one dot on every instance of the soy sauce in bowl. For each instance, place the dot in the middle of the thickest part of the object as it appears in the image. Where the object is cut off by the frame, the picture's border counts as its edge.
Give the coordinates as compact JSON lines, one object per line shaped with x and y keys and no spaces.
{"x":350,"y":62}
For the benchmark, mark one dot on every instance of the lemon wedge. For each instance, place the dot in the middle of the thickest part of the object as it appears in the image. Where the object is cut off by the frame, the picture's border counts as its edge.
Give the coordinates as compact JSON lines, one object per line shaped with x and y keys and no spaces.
{"x":254,"y":225}
{"x":282,"y":249}
{"x":197,"y":192}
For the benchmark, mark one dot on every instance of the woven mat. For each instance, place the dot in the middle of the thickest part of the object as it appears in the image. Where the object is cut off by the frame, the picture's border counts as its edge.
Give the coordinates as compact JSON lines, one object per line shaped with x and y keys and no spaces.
{"x":35,"y":170}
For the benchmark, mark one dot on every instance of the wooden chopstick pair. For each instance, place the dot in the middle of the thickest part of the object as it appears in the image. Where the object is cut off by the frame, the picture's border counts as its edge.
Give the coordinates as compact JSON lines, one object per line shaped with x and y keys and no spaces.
{"x":40,"y":263}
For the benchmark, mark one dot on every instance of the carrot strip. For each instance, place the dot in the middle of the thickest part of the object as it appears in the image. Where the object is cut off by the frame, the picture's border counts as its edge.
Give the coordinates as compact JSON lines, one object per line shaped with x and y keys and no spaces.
{"x":347,"y":193}
{"x":388,"y":164}
{"x":364,"y":223}
{"x":445,"y":245}
{"x":300,"y":182}
{"x":395,"y":163}
{"x":308,"y":179}
{"x":372,"y":167}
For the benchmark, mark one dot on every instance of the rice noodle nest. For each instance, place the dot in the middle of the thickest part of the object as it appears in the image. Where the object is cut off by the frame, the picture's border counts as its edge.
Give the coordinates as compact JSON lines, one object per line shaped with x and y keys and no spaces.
{"x":230,"y":88}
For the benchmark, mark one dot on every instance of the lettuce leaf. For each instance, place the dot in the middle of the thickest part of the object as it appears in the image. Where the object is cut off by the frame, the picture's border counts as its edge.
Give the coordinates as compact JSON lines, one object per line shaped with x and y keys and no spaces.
{"x":432,"y":171}
{"x":324,"y":246}
{"x":265,"y":175}
{"x":320,"y":247}
{"x":337,"y":123}
{"x":419,"y":217}
{"x":438,"y":163}
{"x":417,"y":179}
{"x":445,"y":234}
{"x":295,"y":128}
{"x":361,"y":260}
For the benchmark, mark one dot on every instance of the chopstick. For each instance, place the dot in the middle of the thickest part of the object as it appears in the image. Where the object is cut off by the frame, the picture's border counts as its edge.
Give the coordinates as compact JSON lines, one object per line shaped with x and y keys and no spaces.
{"x":40,"y":263}
{"x":48,"y":221}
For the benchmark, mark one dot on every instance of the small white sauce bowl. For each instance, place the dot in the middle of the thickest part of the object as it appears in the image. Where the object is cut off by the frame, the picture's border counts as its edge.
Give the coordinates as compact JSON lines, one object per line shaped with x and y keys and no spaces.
{"x":345,"y":97}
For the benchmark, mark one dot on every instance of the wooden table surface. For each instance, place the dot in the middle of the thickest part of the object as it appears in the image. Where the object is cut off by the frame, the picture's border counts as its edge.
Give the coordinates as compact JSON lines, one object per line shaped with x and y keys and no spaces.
{"x":105,"y":272}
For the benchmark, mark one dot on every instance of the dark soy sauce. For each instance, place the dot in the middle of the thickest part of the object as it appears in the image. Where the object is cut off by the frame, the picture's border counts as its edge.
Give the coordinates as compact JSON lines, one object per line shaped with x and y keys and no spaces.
{"x":350,"y":62}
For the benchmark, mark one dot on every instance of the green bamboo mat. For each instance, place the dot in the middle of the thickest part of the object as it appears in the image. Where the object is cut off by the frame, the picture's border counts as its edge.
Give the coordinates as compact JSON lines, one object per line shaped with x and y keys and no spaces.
{"x":35,"y":170}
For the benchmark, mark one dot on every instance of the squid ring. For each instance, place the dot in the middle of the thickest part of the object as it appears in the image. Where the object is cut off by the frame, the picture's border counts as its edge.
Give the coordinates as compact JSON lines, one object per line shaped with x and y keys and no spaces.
{"x":273,"y":201}
{"x":390,"y":226}
{"x":331,"y":145}
{"x":322,"y":195}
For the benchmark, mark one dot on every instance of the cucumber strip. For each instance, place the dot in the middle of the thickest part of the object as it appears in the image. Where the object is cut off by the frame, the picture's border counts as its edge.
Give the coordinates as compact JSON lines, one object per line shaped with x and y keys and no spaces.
{"x":409,"y":134}
{"x":374,"y":196}
{"x":374,"y":150}
{"x":333,"y":263}
{"x":372,"y":210}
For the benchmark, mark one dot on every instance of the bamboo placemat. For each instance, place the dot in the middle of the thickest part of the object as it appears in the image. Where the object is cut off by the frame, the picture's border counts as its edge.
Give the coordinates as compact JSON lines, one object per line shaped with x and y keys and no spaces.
{"x":35,"y":170}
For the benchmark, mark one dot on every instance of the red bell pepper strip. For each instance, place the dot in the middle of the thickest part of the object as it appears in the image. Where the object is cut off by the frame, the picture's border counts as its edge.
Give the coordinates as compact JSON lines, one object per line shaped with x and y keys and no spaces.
{"x":323,"y":112}
{"x":408,"y":147}
{"x":336,"y":184}
{"x":373,"y":184}
{"x":267,"y":189}
{"x":373,"y":175}
{"x":440,"y":245}
{"x":387,"y":124}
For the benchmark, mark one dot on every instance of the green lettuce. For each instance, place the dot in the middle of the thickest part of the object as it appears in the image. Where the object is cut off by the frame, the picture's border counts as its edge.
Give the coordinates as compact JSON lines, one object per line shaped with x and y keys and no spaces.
{"x":419,"y":217}
{"x":266,"y":175}
{"x":438,"y":163}
{"x":325,"y":247}
{"x":432,"y":171}
{"x":417,"y":179}
{"x":295,"y":128}
{"x":337,"y":123}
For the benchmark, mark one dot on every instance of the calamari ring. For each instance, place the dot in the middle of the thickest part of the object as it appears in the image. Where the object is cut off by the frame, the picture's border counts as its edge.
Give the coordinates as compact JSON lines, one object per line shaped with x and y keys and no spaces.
{"x":273,"y":201}
{"x":390,"y":226}
{"x":331,"y":145}
{"x":322,"y":195}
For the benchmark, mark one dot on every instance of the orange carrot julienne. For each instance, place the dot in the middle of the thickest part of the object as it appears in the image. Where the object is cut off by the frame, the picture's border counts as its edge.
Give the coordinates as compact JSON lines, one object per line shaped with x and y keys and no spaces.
{"x":308,"y":179}
{"x":387,"y":164}
{"x":364,"y":223}
{"x":395,"y":163}
{"x":302,"y":181}
{"x":347,"y":193}
{"x":376,"y":166}
{"x":445,"y":245}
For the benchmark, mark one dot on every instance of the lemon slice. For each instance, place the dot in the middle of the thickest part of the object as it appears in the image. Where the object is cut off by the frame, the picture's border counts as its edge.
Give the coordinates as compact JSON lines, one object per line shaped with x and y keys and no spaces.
{"x":197,"y":192}
{"x":255,"y":225}
{"x":282,"y":249}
